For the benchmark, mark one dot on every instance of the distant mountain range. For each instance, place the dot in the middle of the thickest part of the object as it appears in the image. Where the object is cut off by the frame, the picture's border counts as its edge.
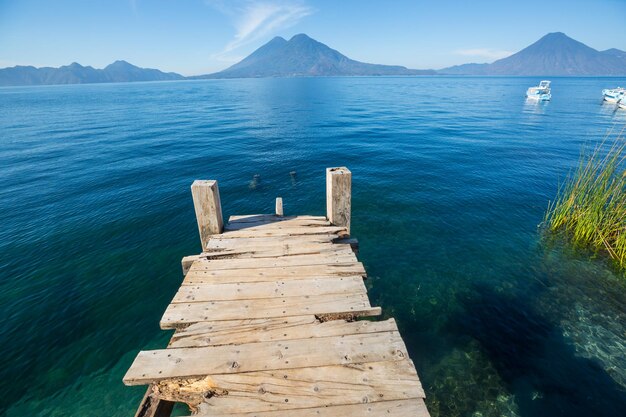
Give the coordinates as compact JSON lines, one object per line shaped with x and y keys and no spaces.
{"x":555,"y":54}
{"x":303,"y":56}
{"x":119,"y":71}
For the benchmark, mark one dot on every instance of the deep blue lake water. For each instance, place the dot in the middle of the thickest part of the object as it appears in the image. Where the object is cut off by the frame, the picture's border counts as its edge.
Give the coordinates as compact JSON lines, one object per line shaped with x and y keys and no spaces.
{"x":451,"y":178}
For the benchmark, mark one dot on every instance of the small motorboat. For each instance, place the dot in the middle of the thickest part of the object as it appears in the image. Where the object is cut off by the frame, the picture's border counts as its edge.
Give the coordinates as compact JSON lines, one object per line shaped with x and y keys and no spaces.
{"x":541,"y":92}
{"x":614,"y":95}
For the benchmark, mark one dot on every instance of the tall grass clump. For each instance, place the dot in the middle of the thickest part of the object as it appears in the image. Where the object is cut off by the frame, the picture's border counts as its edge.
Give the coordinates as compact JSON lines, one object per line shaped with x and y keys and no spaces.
{"x":590,"y":207}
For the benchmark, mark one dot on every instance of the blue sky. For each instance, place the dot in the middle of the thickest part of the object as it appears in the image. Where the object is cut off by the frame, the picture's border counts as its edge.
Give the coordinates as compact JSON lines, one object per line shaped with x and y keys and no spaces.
{"x":201,"y":36}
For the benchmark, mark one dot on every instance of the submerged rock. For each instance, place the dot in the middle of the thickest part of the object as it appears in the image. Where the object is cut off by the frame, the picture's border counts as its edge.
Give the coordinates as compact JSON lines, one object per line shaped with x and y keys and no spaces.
{"x":255,"y":182}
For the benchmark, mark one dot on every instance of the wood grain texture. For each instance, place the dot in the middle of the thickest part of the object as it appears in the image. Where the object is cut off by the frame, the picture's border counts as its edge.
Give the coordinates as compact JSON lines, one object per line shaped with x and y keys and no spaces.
{"x":272,"y":274}
{"x":290,"y":389}
{"x":327,"y":258}
{"x":208,"y":208}
{"x":278,"y":224}
{"x":150,"y":366}
{"x":219,"y":242}
{"x":285,"y":231}
{"x":264,"y":325}
{"x":401,"y":408}
{"x":178,"y":314}
{"x":278,"y":288}
{"x":339,"y":196}
{"x":216,"y":333}
{"x":273,"y":250}
{"x":245,"y":218}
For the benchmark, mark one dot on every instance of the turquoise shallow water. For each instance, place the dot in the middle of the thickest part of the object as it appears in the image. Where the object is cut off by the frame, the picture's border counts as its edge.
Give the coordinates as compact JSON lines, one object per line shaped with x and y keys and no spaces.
{"x":96,"y":212}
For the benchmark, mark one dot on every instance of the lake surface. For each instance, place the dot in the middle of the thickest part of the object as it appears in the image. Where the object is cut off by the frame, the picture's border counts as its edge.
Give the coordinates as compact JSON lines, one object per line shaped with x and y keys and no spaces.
{"x":451,"y":178}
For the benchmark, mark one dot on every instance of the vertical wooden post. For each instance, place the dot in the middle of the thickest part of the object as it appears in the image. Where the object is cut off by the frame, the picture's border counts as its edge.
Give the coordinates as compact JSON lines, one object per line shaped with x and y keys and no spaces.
{"x":339,"y":196}
{"x":206,"y":202}
{"x":279,"y":206}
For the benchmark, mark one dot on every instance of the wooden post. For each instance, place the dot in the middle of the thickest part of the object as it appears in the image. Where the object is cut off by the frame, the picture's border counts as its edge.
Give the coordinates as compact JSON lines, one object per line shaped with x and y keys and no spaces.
{"x":279,"y":206}
{"x":339,"y":196}
{"x":206,"y":201}
{"x":152,"y":406}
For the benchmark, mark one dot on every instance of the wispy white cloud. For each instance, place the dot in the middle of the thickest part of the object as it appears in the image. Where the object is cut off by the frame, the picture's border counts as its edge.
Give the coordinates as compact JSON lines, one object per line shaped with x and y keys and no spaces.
{"x":483,"y":53}
{"x":255,"y":20}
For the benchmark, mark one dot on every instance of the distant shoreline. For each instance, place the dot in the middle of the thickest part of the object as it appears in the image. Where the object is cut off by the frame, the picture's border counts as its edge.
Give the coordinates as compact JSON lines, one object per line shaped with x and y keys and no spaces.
{"x":188,"y":79}
{"x":302,"y":56}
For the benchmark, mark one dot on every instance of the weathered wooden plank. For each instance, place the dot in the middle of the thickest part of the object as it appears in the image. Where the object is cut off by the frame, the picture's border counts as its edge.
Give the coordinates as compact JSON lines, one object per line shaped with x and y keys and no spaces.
{"x":273,"y":250}
{"x":279,"y":221}
{"x":329,"y":253}
{"x":339,"y":196}
{"x":239,"y":291}
{"x":414,"y":407}
{"x":187,"y":261}
{"x":220,"y":242}
{"x":245,"y":218}
{"x":156,"y":365}
{"x":324,"y":242}
{"x":282,"y":221}
{"x":332,"y":258}
{"x":208,"y":208}
{"x":260,"y":327}
{"x":178,"y":314}
{"x":228,"y":332}
{"x":217,"y":333}
{"x":275,"y":225}
{"x":290,"y":389}
{"x":271,"y":274}
{"x":286,"y":231}
{"x":270,"y":243}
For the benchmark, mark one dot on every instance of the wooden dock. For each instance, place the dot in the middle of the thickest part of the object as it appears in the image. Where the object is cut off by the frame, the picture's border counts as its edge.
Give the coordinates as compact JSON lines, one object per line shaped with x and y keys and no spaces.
{"x":267,"y":322}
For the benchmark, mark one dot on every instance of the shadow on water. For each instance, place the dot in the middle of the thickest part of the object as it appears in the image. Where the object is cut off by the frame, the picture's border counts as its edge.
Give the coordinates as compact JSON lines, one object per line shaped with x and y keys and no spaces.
{"x":535,"y":361}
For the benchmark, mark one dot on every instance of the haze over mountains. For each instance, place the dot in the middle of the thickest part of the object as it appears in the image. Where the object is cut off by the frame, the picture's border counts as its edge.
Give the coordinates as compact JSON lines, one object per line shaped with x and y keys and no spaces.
{"x":119,"y":71}
{"x":553,"y":55}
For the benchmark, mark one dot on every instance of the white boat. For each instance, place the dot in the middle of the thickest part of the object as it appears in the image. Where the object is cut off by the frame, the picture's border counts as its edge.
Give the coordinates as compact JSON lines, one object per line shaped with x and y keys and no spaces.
{"x":541,"y":92}
{"x":614,"y":95}
{"x":622,"y":103}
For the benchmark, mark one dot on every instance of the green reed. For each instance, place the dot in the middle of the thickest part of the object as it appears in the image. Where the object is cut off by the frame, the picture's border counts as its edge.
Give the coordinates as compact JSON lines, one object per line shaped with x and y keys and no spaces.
{"x":590,"y":207}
